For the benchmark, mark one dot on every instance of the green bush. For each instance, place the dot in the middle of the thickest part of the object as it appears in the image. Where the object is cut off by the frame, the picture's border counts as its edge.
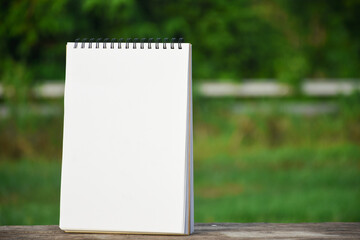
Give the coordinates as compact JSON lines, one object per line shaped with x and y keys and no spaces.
{"x":287,"y":40}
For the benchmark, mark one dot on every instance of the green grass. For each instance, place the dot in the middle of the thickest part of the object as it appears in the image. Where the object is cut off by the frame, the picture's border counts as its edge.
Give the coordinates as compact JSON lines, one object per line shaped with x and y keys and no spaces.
{"x":282,"y":185}
{"x":29,"y":192}
{"x":276,"y":167}
{"x":262,"y":167}
{"x":266,"y":185}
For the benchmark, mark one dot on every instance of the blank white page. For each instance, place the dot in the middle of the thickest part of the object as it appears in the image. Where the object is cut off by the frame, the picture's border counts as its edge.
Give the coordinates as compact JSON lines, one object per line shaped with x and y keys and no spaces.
{"x":124,"y":146}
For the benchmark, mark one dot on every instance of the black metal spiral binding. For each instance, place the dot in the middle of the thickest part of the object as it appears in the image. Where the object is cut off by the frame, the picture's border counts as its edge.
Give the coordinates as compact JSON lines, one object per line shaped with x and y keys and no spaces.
{"x":119,"y":42}
{"x":97,"y":42}
{"x":112,"y":42}
{"x":134,"y":42}
{"x":149,"y":42}
{"x":90,"y":42}
{"x":142,"y":43}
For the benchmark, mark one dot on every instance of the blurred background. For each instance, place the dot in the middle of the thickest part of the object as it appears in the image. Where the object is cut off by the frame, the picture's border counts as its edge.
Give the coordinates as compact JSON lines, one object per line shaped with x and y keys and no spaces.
{"x":276,"y":102}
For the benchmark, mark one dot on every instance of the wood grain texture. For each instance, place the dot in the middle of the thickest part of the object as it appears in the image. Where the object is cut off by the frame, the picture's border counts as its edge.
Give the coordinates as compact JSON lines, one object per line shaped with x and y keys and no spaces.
{"x":220,"y":231}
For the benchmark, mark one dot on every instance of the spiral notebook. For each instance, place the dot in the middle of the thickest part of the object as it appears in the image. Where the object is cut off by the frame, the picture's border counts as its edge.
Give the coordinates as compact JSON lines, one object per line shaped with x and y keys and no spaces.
{"x":127,"y":143}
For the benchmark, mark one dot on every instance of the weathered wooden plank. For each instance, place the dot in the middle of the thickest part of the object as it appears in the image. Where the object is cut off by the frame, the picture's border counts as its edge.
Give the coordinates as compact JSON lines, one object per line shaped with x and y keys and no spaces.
{"x":335,"y":230}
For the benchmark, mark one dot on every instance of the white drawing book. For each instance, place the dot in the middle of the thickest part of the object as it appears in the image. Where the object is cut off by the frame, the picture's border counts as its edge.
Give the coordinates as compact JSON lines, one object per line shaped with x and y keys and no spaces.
{"x":127,"y":145}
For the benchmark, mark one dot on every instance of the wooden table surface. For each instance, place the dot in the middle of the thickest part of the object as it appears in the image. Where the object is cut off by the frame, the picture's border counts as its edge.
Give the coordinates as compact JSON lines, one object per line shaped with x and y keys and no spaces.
{"x":335,"y":230}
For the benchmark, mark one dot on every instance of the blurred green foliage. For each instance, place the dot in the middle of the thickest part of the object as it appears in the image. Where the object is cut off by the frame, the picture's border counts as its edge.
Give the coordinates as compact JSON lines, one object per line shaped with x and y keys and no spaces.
{"x":256,"y":167}
{"x":270,"y":166}
{"x":286,"y":40}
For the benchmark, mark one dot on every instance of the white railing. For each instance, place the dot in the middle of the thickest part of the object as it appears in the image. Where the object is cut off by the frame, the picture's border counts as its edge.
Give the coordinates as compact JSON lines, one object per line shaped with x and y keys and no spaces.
{"x":247,"y":88}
